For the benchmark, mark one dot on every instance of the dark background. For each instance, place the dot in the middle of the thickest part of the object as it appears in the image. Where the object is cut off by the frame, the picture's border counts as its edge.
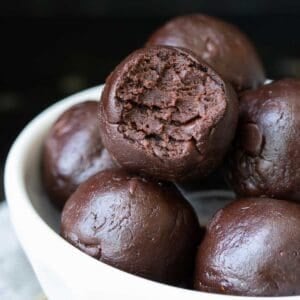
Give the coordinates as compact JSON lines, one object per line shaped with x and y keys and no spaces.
{"x":50,"y":49}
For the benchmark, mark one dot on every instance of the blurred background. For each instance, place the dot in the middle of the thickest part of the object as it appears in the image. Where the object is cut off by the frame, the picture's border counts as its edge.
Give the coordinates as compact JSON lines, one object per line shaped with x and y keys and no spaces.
{"x":50,"y":49}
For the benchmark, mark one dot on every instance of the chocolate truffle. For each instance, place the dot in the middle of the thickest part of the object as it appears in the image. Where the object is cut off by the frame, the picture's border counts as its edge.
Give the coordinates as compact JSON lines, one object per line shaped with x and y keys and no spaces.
{"x":140,"y":226}
{"x":266,"y":157}
{"x":167,"y":114}
{"x":73,"y":152}
{"x":218,"y":43}
{"x":251,"y":248}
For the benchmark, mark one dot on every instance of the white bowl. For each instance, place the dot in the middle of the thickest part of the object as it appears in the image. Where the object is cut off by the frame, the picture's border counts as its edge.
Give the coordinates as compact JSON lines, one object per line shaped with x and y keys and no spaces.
{"x":63,"y":271}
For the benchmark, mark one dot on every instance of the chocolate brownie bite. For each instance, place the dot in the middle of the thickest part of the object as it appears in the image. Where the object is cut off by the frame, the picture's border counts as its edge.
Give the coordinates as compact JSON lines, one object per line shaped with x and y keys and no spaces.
{"x":167,"y":114}
{"x":135,"y":224}
{"x":73,"y":152}
{"x":266,"y":158}
{"x":251,"y":248}
{"x":222,"y":45}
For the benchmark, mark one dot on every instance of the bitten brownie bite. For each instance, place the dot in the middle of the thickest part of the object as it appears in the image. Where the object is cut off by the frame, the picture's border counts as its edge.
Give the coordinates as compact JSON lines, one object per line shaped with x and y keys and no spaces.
{"x":73,"y":152}
{"x":251,"y":248}
{"x":266,"y":157}
{"x":167,"y":114}
{"x":220,"y":44}
{"x":140,"y":226}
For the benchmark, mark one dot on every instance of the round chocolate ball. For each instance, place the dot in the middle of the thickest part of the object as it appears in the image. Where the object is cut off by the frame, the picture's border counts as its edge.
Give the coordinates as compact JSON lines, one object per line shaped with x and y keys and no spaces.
{"x":266,"y":157}
{"x":220,"y":44}
{"x":140,"y":226}
{"x":167,"y":114}
{"x":73,"y":152}
{"x":251,"y":248}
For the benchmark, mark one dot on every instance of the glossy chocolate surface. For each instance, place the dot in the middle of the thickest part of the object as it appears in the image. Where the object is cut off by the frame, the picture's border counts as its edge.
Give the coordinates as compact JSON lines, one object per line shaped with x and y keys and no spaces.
{"x":73,"y":152}
{"x":220,"y":44}
{"x":251,"y":248}
{"x":266,"y":158}
{"x":140,"y":226}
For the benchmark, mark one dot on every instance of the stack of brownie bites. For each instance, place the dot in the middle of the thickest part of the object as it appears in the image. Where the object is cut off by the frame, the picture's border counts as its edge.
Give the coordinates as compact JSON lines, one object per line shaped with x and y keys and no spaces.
{"x":192,"y":100}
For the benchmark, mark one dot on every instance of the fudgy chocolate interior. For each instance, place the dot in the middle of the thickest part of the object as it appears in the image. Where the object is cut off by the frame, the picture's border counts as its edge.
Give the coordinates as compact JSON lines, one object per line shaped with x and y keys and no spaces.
{"x":168,"y":101}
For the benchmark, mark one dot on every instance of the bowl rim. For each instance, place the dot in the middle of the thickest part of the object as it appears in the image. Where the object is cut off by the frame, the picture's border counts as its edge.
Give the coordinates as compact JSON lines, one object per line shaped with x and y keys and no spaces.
{"x":22,"y":211}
